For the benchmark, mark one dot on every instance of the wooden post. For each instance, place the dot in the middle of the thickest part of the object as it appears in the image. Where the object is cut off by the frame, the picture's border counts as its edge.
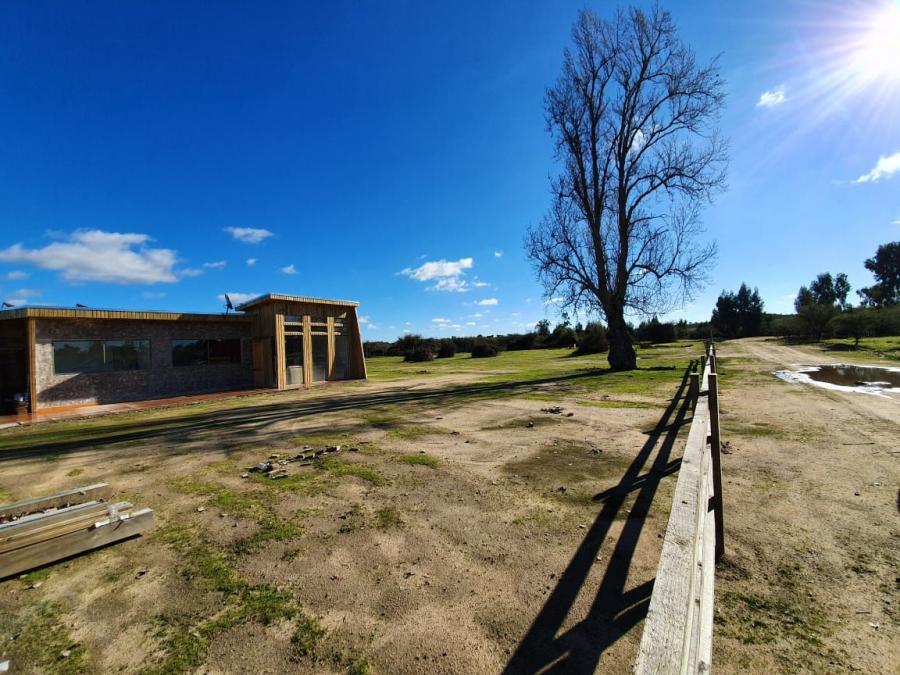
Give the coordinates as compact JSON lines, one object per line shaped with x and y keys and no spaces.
{"x":32,"y":367}
{"x":703,"y":364}
{"x":694,"y":388}
{"x":716,"y":455}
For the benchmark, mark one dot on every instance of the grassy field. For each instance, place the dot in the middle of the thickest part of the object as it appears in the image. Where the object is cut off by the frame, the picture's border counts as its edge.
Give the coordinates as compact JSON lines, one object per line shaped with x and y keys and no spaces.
{"x":881,"y":347}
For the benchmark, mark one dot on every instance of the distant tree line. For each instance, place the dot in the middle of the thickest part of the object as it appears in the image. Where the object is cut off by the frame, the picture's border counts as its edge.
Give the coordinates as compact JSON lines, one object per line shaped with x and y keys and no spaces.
{"x":823,"y":308}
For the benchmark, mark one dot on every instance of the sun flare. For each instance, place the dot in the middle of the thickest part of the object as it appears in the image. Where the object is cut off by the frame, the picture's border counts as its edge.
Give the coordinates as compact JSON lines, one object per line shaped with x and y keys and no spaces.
{"x":876,"y":55}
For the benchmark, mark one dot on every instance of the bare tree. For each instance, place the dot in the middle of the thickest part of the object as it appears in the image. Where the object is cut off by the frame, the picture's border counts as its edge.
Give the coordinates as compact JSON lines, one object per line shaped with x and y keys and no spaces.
{"x":632,"y":119}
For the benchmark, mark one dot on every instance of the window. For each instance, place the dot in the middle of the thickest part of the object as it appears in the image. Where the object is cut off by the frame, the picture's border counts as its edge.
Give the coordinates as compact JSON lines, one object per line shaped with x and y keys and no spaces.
{"x":100,"y":356}
{"x":203,"y":352}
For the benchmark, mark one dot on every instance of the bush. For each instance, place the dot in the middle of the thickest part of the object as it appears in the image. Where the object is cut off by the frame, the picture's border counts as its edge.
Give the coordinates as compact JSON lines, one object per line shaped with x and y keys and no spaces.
{"x":418,"y":355}
{"x":447,"y":351}
{"x":483,"y":350}
{"x":593,"y":340}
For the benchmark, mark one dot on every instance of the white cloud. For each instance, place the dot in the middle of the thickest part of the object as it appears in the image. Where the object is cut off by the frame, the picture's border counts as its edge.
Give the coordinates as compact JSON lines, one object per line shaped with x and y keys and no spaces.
{"x":480,"y":284}
{"x":15,"y":275}
{"x":95,"y":255}
{"x":554,"y":301}
{"x":237,"y":298}
{"x":498,"y":254}
{"x":20,"y":297}
{"x":445,"y":273}
{"x":771,"y":98}
{"x":896,"y":222}
{"x":153,"y":295}
{"x":217,"y":265}
{"x":190,"y":272}
{"x":251,"y":262}
{"x":365,"y":321}
{"x":452,"y":285}
{"x":470,"y":323}
{"x":476,"y":315}
{"x":249,"y":235}
{"x":440,"y":320}
{"x":885,"y":167}
{"x":289,"y":269}
{"x":487,"y":302}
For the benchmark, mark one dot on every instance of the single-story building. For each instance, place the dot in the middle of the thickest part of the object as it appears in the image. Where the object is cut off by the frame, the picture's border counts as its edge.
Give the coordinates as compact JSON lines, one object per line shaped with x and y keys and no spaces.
{"x":52,"y":356}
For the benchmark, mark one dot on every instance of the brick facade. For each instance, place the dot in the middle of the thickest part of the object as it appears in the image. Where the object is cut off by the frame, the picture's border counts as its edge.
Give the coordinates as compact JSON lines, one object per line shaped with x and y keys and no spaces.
{"x":160,"y":380}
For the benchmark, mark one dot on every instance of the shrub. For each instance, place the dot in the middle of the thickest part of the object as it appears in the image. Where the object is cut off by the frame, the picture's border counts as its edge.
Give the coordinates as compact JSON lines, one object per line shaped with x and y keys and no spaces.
{"x":418,"y":355}
{"x":483,"y":350}
{"x":593,"y":339}
{"x":447,"y":351}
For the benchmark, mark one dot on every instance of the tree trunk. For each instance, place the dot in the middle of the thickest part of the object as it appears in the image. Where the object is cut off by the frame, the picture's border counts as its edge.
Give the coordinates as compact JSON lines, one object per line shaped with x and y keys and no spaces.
{"x":621,"y":351}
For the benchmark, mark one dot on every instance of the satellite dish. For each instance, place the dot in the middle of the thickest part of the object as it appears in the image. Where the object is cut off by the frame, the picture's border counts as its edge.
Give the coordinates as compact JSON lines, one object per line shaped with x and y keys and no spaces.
{"x":80,"y":306}
{"x":228,"y":304}
{"x":8,"y":305}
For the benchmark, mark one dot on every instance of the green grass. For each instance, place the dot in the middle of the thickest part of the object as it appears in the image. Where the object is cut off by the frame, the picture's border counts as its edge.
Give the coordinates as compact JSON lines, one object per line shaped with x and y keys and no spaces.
{"x":307,"y":635}
{"x":422,"y":459}
{"x":387,"y":517}
{"x":255,"y":505}
{"x":42,"y":634}
{"x":614,"y":403}
{"x":185,"y":645}
{"x":884,"y":347}
{"x":339,"y":467}
{"x":74,"y":472}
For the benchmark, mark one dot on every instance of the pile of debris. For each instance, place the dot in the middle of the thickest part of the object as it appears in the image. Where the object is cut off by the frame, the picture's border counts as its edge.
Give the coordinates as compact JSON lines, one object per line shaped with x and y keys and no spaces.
{"x":36,"y":532}
{"x":556,"y":410}
{"x":276,"y":465}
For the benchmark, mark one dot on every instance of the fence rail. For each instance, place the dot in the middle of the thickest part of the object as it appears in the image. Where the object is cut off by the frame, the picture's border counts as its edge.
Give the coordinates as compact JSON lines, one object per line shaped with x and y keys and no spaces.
{"x":678,"y":629}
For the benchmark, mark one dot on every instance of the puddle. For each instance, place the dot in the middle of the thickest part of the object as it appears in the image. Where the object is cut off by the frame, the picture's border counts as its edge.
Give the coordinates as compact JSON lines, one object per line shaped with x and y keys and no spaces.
{"x":845,"y":377}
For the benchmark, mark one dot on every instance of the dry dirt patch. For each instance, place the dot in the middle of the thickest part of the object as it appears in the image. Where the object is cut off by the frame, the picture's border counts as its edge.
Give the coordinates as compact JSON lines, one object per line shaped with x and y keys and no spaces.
{"x":461,"y":515}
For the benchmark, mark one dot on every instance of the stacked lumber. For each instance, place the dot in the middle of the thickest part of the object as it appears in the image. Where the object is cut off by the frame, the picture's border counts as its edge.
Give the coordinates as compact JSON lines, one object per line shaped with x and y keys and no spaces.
{"x":36,"y":532}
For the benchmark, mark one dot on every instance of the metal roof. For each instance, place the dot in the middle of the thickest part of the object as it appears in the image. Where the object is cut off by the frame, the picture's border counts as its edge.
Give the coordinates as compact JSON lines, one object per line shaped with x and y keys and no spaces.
{"x":91,"y":313}
{"x":279,"y":297}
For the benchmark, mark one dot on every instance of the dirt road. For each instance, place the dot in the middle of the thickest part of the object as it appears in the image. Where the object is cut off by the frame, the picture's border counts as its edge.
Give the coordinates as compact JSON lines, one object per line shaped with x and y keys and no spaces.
{"x":809,"y":582}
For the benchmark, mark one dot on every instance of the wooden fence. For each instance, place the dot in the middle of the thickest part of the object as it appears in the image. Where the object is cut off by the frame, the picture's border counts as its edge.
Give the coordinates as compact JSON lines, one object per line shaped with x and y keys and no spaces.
{"x":678,"y":629}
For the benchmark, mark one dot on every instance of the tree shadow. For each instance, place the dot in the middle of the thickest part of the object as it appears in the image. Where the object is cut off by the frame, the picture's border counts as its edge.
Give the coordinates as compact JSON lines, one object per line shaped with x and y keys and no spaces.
{"x":614,"y":610}
{"x":241,"y":424}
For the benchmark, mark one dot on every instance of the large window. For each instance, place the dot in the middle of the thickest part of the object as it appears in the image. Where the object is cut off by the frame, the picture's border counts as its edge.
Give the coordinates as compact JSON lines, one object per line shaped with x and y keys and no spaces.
{"x":98,"y":356}
{"x":203,"y":352}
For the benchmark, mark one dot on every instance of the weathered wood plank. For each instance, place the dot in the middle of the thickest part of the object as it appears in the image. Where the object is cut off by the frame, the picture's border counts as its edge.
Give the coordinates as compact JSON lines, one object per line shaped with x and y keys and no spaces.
{"x":678,"y":629}
{"x":79,"y":495}
{"x":16,"y":539}
{"x":48,"y":516}
{"x":37,"y":555}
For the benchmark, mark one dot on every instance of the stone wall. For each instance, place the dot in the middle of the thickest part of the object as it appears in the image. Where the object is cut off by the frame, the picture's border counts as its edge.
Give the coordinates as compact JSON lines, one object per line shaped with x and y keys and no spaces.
{"x":162,"y":379}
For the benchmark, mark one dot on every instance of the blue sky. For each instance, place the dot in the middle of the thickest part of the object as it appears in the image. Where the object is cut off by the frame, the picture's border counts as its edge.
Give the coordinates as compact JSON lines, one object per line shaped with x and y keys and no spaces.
{"x":395,"y":152}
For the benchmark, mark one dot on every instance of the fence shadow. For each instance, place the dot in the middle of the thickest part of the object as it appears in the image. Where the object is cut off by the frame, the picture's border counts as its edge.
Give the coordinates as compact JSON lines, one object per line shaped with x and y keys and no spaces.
{"x":614,"y":610}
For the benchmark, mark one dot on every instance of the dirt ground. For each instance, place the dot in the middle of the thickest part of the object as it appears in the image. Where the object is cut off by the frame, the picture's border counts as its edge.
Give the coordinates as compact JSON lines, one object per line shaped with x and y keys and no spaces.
{"x":469,"y":531}
{"x":810,"y":580}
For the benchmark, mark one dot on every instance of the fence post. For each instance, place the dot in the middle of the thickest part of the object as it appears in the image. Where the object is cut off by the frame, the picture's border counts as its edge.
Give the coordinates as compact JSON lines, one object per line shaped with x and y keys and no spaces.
{"x":694,"y":388}
{"x":702,"y":364}
{"x":715,"y":443}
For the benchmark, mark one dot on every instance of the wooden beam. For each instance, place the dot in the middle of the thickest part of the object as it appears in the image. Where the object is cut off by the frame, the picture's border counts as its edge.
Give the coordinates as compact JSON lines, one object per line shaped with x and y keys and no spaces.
{"x":280,"y":379}
{"x":79,"y":495}
{"x":675,"y":629}
{"x":38,"y":532}
{"x":32,"y":367}
{"x":49,"y":516}
{"x":37,"y":555}
{"x":715,"y":446}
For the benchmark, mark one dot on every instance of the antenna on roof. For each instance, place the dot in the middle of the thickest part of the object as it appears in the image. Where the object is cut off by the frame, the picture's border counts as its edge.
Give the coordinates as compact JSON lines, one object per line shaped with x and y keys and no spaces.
{"x":228,"y":304}
{"x":8,"y":305}
{"x":80,"y":306}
